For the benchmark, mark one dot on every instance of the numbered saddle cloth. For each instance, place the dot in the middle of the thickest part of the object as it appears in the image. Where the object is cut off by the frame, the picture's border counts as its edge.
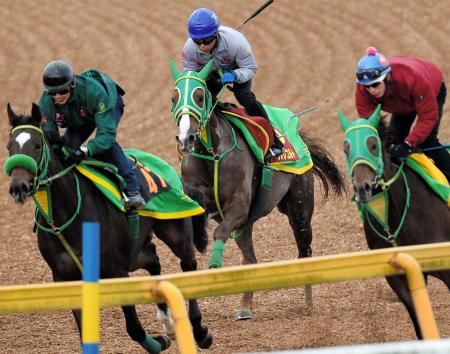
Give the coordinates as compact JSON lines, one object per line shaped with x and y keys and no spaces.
{"x":160,"y":181}
{"x":296,"y":157}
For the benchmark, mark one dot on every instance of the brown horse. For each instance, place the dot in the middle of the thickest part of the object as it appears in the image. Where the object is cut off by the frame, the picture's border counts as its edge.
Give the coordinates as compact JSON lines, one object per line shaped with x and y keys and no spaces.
{"x":34,"y":166}
{"x":415,"y":214}
{"x":225,"y":177}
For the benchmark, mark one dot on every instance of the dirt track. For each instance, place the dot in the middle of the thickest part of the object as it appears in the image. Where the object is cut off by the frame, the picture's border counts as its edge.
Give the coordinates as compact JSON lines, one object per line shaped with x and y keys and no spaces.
{"x":306,"y":52}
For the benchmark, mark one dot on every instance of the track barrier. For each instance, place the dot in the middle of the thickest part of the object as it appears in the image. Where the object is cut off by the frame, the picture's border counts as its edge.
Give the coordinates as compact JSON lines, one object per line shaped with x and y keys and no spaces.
{"x":90,"y":312}
{"x":233,"y":280}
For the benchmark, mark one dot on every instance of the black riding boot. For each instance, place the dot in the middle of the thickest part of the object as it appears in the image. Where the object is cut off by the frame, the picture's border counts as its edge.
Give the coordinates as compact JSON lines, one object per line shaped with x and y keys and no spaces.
{"x":277,"y":147}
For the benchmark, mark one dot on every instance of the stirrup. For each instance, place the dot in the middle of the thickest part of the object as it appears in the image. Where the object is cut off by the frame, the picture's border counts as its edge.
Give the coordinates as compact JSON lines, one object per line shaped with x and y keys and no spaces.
{"x":134,"y":200}
{"x":273,"y":152}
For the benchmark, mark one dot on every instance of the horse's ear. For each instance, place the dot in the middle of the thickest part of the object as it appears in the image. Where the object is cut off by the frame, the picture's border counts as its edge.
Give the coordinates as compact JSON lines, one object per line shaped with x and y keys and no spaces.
{"x":36,"y":113}
{"x":374,"y":119}
{"x":174,"y":70}
{"x":11,"y":115}
{"x":345,"y":123}
{"x":204,"y":73}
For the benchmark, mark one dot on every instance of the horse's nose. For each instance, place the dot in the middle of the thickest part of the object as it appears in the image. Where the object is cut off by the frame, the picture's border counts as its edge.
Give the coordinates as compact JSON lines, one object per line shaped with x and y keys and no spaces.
{"x":191,"y":139}
{"x":363,"y":192}
{"x":19,"y":190}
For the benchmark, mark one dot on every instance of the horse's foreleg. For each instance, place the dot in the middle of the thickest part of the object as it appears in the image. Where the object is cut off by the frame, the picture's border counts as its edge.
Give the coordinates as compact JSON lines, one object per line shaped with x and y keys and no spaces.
{"x":245,"y":244}
{"x":202,"y":335}
{"x":77,"y":316}
{"x":235,"y":218}
{"x":137,"y":333}
{"x":177,"y":235}
{"x":148,"y":259}
{"x":400,"y":287}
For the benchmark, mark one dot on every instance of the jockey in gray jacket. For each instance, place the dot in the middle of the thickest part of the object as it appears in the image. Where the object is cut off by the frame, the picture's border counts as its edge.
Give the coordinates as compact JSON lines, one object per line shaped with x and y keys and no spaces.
{"x":232,"y":54}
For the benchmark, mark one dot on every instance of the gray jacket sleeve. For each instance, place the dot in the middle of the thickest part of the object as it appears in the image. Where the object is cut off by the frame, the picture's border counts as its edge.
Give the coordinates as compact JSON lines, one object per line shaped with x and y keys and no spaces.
{"x":190,"y":56}
{"x":245,"y":59}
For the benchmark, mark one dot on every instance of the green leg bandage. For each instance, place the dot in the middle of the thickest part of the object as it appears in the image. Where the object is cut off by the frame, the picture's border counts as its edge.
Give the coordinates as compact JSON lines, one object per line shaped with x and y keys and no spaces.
{"x":151,"y":345}
{"x":216,"y":256}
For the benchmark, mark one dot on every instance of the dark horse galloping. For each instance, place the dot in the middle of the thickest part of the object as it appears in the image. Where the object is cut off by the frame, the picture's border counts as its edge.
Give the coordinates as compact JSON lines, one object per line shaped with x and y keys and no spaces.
{"x":226,"y":177}
{"x":415,"y":215}
{"x":32,"y":163}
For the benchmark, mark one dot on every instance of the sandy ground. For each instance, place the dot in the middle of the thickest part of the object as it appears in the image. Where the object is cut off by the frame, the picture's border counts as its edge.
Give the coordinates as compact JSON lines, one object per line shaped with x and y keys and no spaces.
{"x":306,"y":52}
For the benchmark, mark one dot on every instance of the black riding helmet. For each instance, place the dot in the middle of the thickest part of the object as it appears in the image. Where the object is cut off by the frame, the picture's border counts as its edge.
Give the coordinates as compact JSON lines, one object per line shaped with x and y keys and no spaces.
{"x":58,"y":75}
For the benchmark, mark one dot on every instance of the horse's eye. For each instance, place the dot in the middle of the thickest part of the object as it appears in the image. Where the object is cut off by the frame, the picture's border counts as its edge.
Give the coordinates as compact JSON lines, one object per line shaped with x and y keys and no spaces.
{"x":38,"y":146}
{"x":346,"y":148}
{"x":372,"y":146}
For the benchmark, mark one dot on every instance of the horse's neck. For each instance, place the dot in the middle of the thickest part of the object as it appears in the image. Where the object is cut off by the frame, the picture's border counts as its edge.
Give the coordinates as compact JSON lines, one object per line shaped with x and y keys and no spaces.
{"x":221,"y":132}
{"x":397,"y":190}
{"x":64,"y":188}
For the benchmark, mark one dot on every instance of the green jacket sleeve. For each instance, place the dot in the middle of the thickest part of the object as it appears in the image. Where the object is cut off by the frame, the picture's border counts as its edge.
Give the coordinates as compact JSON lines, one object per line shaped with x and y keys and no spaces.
{"x":48,"y":124}
{"x":105,"y":121}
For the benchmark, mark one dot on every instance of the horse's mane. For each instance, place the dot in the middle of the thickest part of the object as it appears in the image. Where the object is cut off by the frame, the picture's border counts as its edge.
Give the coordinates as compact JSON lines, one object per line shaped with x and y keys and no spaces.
{"x":223,"y":106}
{"x":386,"y":135}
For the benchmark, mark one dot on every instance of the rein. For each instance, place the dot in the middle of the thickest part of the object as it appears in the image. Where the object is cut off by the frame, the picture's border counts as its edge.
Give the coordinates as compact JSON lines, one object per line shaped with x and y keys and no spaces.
{"x":365,"y":210}
{"x":216,"y":159}
{"x":41,"y":184}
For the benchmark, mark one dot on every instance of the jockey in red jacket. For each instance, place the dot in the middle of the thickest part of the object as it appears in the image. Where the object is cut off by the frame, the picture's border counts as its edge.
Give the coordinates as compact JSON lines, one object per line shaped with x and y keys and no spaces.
{"x":413,"y":90}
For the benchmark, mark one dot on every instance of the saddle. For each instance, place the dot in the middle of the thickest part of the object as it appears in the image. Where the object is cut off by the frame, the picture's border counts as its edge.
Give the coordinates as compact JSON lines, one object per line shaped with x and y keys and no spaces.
{"x":257,"y":131}
{"x":161,"y":186}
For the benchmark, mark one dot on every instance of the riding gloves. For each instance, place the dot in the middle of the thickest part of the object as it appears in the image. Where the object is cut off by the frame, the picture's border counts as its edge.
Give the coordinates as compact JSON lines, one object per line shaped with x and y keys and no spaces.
{"x":78,"y":155}
{"x":228,"y":78}
{"x":400,"y":152}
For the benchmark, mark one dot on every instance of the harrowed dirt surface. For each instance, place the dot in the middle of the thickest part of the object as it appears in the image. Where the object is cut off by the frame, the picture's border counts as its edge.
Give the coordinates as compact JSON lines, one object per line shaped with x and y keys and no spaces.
{"x":306,"y":53}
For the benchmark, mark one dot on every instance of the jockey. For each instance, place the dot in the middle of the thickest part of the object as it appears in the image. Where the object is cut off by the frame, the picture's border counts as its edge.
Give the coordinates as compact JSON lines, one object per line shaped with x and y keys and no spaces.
{"x":231,"y":53}
{"x":413,"y":90}
{"x":81,"y":104}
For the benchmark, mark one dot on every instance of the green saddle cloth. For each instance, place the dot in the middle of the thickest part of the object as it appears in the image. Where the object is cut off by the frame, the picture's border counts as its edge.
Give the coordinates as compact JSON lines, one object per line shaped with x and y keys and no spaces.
{"x":296,"y":157}
{"x":168,"y":203}
{"x":425,"y":168}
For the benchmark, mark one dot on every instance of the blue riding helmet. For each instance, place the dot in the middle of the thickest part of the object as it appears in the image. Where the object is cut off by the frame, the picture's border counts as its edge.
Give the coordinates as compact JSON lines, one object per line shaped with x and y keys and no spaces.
{"x":203,"y":23}
{"x":372,"y":67}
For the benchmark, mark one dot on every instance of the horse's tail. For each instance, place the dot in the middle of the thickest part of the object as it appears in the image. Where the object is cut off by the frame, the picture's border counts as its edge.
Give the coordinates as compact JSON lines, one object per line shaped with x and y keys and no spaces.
{"x":324,"y":167}
{"x":199,"y":222}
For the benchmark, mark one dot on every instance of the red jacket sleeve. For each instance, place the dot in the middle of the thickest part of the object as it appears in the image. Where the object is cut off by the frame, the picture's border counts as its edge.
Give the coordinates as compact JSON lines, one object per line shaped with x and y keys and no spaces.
{"x":427,"y":111}
{"x":364,"y":104}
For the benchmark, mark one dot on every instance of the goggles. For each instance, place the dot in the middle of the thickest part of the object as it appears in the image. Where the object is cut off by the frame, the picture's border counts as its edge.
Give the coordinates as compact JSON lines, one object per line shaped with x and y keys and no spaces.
{"x":63,"y":91}
{"x":370,"y":74}
{"x":204,"y":41}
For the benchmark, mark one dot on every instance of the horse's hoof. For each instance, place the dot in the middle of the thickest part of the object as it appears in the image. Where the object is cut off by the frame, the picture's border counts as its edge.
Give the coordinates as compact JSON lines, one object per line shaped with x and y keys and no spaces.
{"x":206,"y":342}
{"x":244,"y":314}
{"x":164,"y":341}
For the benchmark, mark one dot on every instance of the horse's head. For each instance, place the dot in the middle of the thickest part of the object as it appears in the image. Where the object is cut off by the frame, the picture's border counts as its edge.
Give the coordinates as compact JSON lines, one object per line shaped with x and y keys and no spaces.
{"x":363,"y":151}
{"x":191,"y":104}
{"x":26,"y":149}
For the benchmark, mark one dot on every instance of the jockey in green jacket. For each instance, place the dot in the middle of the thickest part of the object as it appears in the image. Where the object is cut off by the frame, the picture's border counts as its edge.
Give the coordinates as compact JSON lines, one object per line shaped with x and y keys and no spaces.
{"x":81,"y":104}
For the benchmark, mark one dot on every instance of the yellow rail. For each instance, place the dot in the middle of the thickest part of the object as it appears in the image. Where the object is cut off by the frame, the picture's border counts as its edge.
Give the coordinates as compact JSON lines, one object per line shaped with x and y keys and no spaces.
{"x":418,"y":289}
{"x":230,"y":280}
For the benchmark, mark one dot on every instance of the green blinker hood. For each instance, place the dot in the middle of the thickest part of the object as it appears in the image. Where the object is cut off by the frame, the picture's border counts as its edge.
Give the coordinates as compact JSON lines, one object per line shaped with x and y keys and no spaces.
{"x":186,"y":83}
{"x":356,"y":134}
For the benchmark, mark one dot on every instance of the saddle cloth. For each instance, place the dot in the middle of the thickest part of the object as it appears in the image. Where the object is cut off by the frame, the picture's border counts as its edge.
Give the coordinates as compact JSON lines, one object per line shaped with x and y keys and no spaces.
{"x":426,"y":168}
{"x":159,"y":180}
{"x":296,"y":157}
